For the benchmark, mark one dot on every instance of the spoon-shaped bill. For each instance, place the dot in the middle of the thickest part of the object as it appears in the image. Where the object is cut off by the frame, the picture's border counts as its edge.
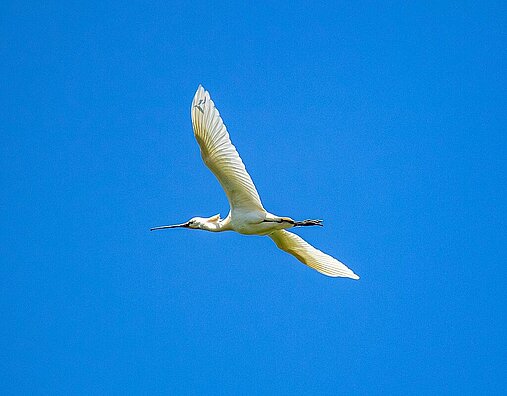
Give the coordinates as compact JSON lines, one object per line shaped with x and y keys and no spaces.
{"x":170,"y":226}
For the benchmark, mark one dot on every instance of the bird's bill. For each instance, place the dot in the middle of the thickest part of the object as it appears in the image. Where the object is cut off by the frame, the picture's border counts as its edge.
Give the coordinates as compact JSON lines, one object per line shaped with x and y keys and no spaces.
{"x":185,"y":225}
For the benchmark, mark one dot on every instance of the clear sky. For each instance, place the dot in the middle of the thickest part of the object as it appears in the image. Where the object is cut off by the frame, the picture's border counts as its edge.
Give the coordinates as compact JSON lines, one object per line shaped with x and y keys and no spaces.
{"x":387,"y":121}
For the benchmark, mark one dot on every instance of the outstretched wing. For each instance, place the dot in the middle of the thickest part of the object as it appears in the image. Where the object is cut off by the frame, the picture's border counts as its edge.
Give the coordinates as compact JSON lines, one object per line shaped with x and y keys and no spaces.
{"x":307,"y":254}
{"x":220,"y":155}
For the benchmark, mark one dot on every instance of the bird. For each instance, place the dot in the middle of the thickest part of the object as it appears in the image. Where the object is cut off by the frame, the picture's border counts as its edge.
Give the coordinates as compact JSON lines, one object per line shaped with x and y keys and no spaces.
{"x":247,"y":214}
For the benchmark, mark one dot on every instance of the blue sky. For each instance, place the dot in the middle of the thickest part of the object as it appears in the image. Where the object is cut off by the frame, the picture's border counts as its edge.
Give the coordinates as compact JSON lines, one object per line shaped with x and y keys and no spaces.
{"x":386,"y":120}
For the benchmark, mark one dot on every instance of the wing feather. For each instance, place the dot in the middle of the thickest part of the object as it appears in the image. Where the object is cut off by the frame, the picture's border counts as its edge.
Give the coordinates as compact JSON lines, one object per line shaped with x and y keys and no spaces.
{"x":312,"y":257}
{"x":220,"y":155}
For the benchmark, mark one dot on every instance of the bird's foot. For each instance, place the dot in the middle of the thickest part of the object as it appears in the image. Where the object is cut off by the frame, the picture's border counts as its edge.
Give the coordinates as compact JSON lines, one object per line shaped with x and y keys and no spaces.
{"x":306,"y":223}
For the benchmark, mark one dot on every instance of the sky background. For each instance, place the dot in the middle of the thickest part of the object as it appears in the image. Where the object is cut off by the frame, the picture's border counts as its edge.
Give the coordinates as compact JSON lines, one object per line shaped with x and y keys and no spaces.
{"x":385,"y":120}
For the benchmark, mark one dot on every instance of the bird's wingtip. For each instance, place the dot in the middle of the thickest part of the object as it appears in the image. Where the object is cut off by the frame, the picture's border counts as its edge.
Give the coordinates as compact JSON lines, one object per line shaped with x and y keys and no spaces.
{"x":200,"y":93}
{"x":354,"y":276}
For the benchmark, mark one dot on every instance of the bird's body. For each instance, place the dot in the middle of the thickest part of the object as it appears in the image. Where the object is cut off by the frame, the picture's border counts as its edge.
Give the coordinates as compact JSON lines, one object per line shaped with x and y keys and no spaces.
{"x":247,"y":214}
{"x":247,"y":223}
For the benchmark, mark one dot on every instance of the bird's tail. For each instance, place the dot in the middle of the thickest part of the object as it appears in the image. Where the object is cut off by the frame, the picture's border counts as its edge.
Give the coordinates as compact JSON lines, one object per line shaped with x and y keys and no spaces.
{"x":306,"y":223}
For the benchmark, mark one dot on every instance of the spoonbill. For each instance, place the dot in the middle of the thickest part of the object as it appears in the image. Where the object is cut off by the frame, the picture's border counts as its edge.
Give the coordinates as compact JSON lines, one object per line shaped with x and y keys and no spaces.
{"x":247,"y":215}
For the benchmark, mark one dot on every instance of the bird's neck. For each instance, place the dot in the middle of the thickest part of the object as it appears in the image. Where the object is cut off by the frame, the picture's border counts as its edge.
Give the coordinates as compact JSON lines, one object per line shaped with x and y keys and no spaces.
{"x":216,"y":226}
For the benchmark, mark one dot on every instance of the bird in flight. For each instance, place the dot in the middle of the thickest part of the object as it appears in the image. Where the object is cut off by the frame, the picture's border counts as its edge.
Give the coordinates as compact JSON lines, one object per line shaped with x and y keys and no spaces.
{"x":247,"y":215}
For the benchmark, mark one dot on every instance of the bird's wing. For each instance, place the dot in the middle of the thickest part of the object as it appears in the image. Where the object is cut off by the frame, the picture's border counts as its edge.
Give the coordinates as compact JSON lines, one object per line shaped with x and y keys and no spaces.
{"x":220,"y":155}
{"x":307,"y":254}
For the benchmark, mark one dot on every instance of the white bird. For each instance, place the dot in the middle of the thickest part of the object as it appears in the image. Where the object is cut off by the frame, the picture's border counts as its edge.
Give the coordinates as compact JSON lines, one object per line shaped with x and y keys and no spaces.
{"x":247,"y":215}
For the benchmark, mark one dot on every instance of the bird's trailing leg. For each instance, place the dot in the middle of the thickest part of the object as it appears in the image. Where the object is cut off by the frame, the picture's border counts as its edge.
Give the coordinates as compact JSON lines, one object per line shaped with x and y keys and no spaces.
{"x":303,"y":223}
{"x":306,"y":223}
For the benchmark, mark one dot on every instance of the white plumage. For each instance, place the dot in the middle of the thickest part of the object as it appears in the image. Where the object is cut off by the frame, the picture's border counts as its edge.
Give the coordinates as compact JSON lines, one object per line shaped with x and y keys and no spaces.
{"x":247,"y":215}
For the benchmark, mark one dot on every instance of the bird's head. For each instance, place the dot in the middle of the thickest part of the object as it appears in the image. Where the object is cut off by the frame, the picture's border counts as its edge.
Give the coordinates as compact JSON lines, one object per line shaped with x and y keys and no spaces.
{"x":198,"y":223}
